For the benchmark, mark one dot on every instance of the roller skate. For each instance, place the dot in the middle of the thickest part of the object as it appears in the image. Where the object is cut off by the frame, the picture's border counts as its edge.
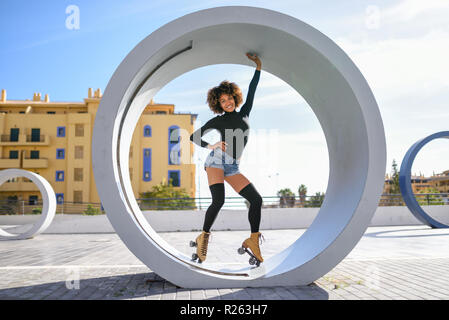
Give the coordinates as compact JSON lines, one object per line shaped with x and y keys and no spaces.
{"x":200,"y":243}
{"x":251,"y":246}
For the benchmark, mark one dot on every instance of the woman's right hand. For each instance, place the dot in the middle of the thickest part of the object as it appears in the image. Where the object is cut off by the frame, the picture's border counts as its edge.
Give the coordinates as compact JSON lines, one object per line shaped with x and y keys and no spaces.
{"x":220,"y":144}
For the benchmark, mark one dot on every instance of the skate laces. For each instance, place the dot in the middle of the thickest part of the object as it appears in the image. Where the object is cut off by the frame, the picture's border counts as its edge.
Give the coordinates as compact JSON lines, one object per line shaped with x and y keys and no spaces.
{"x":261,"y":239}
{"x":205,"y":241}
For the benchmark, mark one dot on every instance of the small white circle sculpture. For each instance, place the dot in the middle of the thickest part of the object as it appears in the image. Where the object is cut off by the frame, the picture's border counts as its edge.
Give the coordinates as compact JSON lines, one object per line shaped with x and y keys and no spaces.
{"x":309,"y":62}
{"x":48,"y":199}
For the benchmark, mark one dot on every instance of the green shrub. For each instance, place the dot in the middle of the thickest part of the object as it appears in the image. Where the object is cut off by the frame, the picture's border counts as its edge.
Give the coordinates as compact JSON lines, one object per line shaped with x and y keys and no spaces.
{"x":91,"y":211}
{"x":164,"y":196}
{"x":36,"y":211}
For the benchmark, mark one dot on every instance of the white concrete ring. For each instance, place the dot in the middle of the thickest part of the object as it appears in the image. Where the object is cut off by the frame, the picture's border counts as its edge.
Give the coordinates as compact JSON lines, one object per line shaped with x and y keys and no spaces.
{"x":304,"y":58}
{"x":48,"y":206}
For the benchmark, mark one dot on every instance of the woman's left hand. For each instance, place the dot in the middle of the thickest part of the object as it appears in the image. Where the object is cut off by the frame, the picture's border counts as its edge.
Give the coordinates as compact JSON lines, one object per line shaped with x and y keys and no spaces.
{"x":254,"y":58}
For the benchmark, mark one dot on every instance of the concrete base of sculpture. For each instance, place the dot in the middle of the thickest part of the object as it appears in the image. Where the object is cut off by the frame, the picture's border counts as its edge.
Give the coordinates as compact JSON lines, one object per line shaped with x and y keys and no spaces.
{"x":48,"y":199}
{"x":310,"y":63}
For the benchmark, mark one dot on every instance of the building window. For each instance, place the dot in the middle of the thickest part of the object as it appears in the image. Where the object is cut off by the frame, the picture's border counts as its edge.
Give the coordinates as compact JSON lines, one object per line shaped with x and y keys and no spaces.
{"x":79,"y":130}
{"x":60,"y":153}
{"x":32,"y":200}
{"x":59,"y":175}
{"x":34,"y":154}
{"x":146,"y":164}
{"x":60,"y":132}
{"x":59,"y":198}
{"x":174,"y":150}
{"x":147,"y":131}
{"x":78,"y":196}
{"x":14,"y":135}
{"x":13,"y":154}
{"x":79,"y":152}
{"x":35,"y":135}
{"x":78,"y":174}
{"x":175,"y":177}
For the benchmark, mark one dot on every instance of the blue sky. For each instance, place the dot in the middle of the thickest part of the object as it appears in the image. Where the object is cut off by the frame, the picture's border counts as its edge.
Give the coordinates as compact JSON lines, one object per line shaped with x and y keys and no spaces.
{"x":401,"y":47}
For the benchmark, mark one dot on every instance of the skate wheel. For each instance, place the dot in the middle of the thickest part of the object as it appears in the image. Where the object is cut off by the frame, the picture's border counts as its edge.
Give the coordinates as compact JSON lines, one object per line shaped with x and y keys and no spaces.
{"x":241,"y":250}
{"x":192,"y":243}
{"x":252,"y":261}
{"x":194,"y":256}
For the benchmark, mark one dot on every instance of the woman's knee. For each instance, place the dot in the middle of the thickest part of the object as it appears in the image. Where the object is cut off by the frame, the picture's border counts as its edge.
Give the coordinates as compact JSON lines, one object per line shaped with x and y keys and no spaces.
{"x":258,"y":200}
{"x":252,"y":195}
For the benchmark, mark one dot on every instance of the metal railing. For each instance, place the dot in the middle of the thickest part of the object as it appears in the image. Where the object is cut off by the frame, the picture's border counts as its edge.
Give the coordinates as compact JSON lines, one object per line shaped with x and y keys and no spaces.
{"x":22,"y":207}
{"x":36,"y":138}
{"x":231,"y":203}
{"x":7,"y":138}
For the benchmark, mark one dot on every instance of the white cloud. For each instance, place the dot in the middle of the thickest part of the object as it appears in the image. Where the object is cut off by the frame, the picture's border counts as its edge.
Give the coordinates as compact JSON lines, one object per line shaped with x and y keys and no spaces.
{"x":407,"y":66}
{"x":408,"y":10}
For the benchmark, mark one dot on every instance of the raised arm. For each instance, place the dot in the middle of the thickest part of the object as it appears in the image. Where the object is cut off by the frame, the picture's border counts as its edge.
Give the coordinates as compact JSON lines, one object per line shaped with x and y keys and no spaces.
{"x":246,"y":108}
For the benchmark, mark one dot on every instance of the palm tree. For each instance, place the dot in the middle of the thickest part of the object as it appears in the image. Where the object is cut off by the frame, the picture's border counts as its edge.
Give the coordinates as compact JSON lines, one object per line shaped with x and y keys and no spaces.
{"x":287,"y":198}
{"x":302,"y":191}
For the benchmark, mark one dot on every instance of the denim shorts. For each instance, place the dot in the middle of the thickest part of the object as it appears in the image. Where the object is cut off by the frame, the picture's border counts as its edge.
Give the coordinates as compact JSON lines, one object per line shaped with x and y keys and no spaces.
{"x":221,"y":160}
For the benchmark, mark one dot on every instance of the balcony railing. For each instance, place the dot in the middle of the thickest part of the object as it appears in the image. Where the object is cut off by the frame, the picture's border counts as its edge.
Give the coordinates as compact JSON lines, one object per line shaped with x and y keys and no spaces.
{"x":24,"y":207}
{"x":9,"y":163}
{"x":7,"y":138}
{"x":39,"y":138}
{"x":23,"y":140}
{"x":19,"y":184}
{"x":29,"y":163}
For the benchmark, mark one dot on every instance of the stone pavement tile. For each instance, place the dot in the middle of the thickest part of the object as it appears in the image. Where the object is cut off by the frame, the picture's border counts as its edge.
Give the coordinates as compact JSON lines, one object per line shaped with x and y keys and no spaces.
{"x":118,"y":287}
{"x":86,"y":292}
{"x":284,"y":294}
{"x":183,"y":294}
{"x":52,"y":290}
{"x":334,"y":296}
{"x":225,"y":294}
{"x":257,"y":293}
{"x":240,"y":294}
{"x":197,"y":294}
{"x":169,"y":291}
{"x":155,"y":291}
{"x":301,"y":293}
{"x":212,"y":294}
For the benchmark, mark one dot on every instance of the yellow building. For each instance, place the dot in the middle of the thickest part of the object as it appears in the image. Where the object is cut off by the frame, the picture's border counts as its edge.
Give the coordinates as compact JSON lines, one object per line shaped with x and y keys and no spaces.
{"x":418,"y":183}
{"x":440,"y":181}
{"x":54,"y":139}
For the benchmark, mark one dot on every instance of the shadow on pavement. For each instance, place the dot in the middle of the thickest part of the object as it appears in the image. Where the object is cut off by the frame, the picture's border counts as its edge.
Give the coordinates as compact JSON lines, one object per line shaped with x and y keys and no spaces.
{"x":150,"y":286}
{"x":380,"y":234}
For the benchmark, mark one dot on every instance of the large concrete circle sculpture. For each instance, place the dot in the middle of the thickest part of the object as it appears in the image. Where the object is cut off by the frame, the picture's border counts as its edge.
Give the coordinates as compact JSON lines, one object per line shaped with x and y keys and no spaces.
{"x":48,"y":206}
{"x":405,"y":181}
{"x":309,"y":62}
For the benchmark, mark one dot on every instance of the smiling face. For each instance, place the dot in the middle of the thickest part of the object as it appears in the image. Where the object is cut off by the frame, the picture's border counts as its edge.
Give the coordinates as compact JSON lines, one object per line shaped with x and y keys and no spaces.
{"x":227,"y":102}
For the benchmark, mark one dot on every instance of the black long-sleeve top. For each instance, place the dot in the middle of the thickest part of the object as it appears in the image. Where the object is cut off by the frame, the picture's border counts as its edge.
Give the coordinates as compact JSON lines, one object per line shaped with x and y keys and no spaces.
{"x":233,"y":126}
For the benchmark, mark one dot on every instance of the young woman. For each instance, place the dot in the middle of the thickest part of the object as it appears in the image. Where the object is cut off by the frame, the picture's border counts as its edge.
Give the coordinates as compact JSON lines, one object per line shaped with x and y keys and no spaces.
{"x":222,"y":164}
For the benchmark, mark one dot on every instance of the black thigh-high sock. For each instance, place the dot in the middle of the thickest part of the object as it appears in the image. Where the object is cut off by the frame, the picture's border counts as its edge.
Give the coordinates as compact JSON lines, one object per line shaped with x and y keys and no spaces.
{"x":255,"y":204}
{"x":218,"y":195}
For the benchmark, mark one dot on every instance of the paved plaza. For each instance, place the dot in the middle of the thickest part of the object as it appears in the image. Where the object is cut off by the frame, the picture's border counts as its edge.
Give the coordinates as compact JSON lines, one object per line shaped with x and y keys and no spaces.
{"x":389,"y":263}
